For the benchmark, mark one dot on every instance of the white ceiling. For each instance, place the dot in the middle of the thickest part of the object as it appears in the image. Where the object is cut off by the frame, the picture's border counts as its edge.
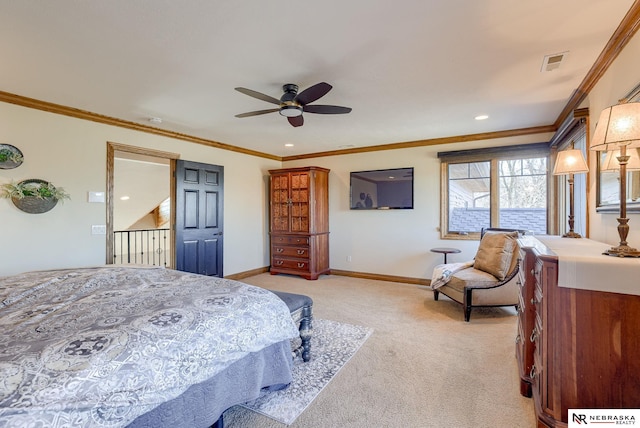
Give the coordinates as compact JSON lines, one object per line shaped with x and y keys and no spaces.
{"x":410,"y":69}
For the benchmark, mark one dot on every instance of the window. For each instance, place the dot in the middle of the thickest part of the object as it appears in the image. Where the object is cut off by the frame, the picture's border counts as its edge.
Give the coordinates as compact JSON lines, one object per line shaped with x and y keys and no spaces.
{"x":469,"y":196}
{"x":523,"y":194}
{"x":498,"y":187}
{"x":573,"y":134}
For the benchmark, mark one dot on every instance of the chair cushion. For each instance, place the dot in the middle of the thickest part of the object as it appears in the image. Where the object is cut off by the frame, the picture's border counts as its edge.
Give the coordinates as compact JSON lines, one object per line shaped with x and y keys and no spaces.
{"x":495,"y":253}
{"x":472,"y":277}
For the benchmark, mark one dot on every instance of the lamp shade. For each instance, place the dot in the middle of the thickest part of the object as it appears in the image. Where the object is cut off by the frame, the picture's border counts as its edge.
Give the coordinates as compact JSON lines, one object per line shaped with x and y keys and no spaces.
{"x":570,"y":162}
{"x":619,"y":125}
{"x":610,"y":162}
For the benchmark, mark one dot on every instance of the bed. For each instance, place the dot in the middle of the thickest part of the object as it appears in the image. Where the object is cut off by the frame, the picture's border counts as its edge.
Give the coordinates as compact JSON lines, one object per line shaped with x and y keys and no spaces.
{"x":119,"y":346}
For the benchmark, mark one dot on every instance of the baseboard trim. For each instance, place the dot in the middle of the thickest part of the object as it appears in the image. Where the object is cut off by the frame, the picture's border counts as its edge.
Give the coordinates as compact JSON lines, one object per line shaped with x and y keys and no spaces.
{"x":379,"y":277}
{"x":364,"y":275}
{"x":248,"y":273}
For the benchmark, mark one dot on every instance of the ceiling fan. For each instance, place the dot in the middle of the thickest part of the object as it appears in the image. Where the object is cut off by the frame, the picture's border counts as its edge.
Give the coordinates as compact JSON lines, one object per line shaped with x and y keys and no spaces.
{"x":292,"y":104}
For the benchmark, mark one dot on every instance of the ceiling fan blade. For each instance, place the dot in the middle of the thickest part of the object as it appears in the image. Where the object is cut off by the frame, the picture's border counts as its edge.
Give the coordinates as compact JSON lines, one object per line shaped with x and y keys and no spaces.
{"x":257,"y":112}
{"x":258,"y":95}
{"x":312,"y":93}
{"x":296,"y":121}
{"x":324,"y":109}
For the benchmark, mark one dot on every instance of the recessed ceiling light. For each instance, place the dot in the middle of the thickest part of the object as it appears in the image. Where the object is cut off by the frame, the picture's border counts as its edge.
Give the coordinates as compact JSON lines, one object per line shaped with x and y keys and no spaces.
{"x":482,"y":117}
{"x":124,"y":198}
{"x":289,"y":145}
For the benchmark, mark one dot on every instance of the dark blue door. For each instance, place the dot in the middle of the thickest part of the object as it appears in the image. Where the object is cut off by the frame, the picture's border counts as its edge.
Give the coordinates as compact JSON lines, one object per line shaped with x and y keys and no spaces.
{"x":199,"y":215}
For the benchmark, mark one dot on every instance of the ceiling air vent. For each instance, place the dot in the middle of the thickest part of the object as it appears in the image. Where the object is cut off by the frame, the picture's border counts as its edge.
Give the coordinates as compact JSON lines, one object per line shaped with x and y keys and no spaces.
{"x":551,"y":62}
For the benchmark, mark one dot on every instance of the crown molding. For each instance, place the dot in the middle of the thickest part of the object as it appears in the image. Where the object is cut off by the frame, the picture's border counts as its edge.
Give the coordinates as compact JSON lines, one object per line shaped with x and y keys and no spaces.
{"x":95,"y":117}
{"x":429,"y":142}
{"x":625,"y":31}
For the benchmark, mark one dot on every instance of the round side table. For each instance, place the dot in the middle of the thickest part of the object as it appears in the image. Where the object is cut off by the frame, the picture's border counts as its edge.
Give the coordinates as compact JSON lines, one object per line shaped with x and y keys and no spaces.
{"x":445,"y":251}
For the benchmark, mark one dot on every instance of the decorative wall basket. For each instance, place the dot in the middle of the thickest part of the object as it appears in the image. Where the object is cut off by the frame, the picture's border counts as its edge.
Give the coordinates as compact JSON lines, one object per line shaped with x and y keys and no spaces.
{"x":10,"y":156}
{"x":34,"y":196}
{"x":34,"y":205}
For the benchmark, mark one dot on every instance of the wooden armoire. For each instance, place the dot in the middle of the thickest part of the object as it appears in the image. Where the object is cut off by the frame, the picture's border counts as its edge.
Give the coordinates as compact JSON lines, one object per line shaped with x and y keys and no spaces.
{"x":299,"y":221}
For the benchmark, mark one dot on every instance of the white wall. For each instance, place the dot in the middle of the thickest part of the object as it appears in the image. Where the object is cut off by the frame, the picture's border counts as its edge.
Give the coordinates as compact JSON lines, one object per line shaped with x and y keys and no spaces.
{"x":394,"y":242}
{"x":71,"y":153}
{"x":620,"y":78}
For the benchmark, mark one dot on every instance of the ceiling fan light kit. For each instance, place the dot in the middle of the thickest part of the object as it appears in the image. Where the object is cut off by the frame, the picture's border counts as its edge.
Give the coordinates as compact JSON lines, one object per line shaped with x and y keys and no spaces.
{"x":291,"y":111}
{"x":292,"y":104}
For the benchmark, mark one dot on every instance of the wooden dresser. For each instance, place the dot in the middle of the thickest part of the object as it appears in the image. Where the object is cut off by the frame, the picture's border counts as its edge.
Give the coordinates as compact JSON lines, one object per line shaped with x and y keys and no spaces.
{"x":578,"y":342}
{"x":299,"y":221}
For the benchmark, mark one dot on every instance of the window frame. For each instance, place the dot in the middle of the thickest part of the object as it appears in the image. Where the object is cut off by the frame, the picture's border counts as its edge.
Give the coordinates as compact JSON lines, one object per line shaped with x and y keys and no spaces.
{"x":492,"y":155}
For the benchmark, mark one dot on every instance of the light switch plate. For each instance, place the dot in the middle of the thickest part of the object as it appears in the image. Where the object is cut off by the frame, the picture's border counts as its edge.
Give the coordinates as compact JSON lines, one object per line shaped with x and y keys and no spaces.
{"x":98,"y":229}
{"x":96,"y":197}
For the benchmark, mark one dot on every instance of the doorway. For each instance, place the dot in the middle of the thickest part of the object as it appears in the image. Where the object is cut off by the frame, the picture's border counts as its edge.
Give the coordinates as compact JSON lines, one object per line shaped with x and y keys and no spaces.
{"x":140,"y":230}
{"x":195,"y":211}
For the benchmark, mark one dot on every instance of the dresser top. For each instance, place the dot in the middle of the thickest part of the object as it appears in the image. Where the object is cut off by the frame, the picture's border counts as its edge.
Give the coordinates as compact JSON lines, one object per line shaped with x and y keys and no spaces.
{"x":582,"y":265}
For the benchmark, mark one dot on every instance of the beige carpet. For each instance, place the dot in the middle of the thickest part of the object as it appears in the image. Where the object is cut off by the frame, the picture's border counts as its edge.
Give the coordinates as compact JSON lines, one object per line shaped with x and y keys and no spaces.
{"x":422,"y":367}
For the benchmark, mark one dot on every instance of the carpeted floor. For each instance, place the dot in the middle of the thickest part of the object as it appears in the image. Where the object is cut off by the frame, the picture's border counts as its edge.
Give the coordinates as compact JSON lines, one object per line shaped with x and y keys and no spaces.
{"x":332,"y":346}
{"x":423,"y":367}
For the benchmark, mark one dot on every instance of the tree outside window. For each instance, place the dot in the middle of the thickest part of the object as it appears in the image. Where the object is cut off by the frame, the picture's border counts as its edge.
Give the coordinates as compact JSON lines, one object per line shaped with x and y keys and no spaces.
{"x":523,"y":194}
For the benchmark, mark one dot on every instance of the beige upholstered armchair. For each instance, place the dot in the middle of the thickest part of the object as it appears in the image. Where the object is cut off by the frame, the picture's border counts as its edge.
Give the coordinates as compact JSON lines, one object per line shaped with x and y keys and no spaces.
{"x":488,"y":280}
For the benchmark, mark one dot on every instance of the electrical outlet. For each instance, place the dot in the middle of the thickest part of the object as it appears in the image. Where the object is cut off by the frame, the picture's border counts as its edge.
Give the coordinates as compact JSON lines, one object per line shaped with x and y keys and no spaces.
{"x":348,"y":259}
{"x":98,"y":229}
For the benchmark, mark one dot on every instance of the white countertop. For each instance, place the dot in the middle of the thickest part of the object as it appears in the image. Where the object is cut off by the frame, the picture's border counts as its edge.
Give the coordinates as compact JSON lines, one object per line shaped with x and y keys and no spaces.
{"x":582,"y":265}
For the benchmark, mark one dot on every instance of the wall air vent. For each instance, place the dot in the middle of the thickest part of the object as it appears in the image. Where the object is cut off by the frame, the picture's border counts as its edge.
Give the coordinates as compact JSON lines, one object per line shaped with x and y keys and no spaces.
{"x":551,"y":62}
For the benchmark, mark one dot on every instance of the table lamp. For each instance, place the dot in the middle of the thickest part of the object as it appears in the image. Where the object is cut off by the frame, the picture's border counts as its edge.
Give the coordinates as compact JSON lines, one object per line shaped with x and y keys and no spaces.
{"x":570,"y":162}
{"x":619,"y":128}
{"x":610,"y":162}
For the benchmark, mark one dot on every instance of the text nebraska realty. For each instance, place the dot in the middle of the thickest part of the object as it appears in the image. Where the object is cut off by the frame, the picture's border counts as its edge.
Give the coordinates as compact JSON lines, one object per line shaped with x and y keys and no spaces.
{"x":605,"y":419}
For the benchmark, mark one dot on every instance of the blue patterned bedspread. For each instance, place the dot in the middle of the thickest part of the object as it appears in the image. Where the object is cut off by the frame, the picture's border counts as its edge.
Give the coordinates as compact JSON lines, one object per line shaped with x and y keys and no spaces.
{"x":101,"y":346}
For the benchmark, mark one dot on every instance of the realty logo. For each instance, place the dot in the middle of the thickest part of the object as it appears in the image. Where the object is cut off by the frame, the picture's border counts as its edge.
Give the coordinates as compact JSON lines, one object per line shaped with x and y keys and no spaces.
{"x":579,"y":418}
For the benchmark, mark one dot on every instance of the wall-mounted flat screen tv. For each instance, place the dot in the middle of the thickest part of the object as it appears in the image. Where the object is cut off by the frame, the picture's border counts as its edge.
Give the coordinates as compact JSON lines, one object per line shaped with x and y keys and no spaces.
{"x":383,"y":189}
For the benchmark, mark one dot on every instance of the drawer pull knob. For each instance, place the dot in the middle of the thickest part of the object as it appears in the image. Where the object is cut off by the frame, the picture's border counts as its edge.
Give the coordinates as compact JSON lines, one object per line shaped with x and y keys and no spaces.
{"x":533,"y":373}
{"x":533,"y":271}
{"x":300,"y":265}
{"x":300,"y":252}
{"x":279,"y":250}
{"x":534,"y":335}
{"x":518,"y":339}
{"x":278,"y":262}
{"x":534,"y":301}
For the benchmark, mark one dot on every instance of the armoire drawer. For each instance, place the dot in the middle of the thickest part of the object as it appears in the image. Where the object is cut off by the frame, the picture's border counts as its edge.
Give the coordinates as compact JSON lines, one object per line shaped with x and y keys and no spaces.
{"x":290,"y":264}
{"x":290,"y":240}
{"x":286,"y":251}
